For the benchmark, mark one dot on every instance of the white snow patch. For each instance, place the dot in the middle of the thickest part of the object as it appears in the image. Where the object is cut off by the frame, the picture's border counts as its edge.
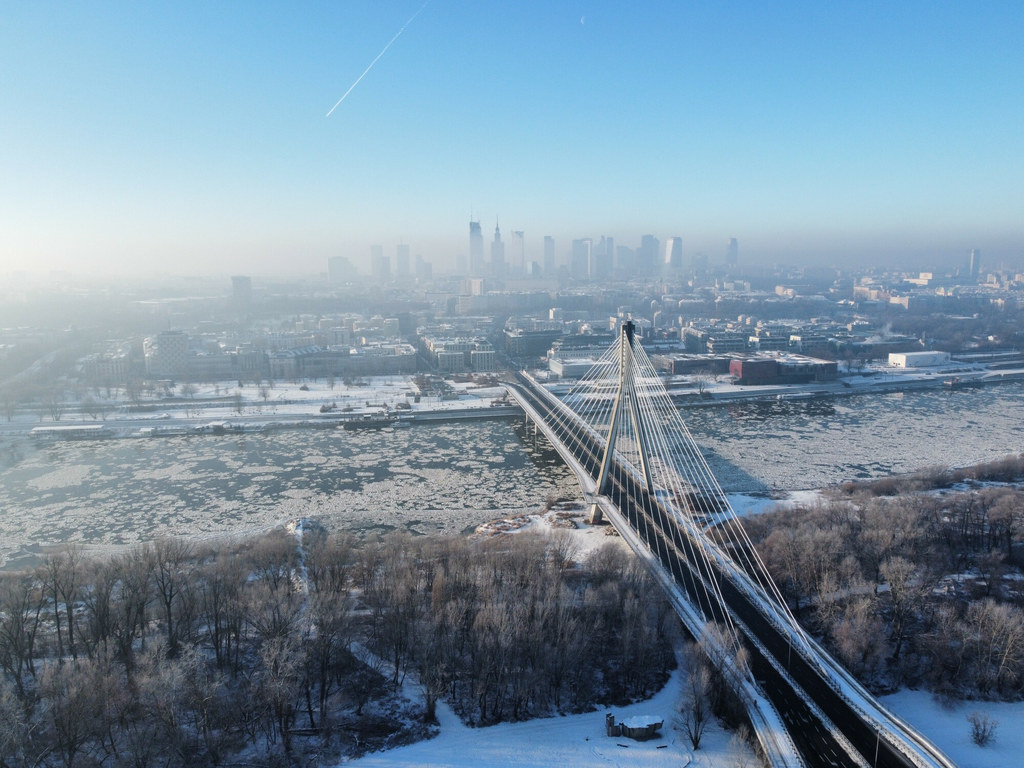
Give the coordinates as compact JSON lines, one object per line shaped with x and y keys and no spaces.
{"x":948,"y":729}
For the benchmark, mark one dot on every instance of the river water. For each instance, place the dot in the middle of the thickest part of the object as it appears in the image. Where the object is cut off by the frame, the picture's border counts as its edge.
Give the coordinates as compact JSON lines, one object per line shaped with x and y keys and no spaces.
{"x":451,"y":477}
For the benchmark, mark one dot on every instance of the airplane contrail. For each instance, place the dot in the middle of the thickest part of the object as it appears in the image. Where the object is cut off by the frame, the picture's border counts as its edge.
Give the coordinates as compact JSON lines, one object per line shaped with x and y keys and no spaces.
{"x":377,"y":58}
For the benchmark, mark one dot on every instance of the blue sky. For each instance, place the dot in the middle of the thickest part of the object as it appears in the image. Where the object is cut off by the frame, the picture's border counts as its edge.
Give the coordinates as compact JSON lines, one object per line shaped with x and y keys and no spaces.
{"x":193,"y":137}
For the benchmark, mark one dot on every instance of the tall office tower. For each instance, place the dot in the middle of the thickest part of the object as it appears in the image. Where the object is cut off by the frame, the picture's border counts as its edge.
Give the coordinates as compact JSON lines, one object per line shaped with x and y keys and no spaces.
{"x":975,"y":264}
{"x":517,"y":253}
{"x":674,"y":254}
{"x":340,"y":269}
{"x":424,"y":269}
{"x":549,"y":256}
{"x":647,"y":255}
{"x":380,"y":265}
{"x":476,"y":249}
{"x":497,"y":254}
{"x":732,"y":253}
{"x":604,"y":257}
{"x":582,"y":253}
{"x":402,"y":261}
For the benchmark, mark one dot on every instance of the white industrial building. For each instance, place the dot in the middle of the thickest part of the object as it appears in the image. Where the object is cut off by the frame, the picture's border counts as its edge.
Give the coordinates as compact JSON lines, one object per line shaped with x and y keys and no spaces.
{"x":917,"y":359}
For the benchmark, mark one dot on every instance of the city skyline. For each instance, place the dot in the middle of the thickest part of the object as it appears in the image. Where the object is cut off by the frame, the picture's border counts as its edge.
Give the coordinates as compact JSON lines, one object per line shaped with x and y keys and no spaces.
{"x":194,"y":138}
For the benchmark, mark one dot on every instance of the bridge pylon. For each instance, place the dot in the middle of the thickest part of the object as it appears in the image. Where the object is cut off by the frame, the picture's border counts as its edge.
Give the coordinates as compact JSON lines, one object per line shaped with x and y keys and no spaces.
{"x":626,"y":395}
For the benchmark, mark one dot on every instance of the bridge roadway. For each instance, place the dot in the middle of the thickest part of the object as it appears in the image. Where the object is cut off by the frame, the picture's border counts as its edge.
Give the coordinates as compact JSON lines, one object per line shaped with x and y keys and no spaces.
{"x":787,"y":678}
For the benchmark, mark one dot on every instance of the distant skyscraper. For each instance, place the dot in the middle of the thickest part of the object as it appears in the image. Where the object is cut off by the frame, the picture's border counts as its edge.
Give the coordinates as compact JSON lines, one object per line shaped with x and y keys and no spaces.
{"x":380,"y":265}
{"x":582,"y":253}
{"x":975,"y":264}
{"x":647,"y":255}
{"x":497,"y":253}
{"x":402,"y":261}
{"x":517,"y":252}
{"x":732,"y":253}
{"x":476,"y":249}
{"x":603,"y":259}
{"x":549,"y":256}
{"x":674,"y":254}
{"x":424,"y":269}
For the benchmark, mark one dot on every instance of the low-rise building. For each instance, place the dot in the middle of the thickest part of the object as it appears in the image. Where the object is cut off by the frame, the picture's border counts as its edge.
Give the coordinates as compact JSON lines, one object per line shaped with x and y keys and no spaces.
{"x":918,"y":359}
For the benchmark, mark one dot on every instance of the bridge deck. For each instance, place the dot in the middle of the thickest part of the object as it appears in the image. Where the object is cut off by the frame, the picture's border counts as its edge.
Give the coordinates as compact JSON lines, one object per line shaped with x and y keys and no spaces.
{"x":819,"y":724}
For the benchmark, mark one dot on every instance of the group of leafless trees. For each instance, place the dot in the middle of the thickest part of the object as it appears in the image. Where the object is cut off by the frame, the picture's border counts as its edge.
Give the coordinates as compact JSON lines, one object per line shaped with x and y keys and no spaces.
{"x":921,"y":587}
{"x":174,"y":653}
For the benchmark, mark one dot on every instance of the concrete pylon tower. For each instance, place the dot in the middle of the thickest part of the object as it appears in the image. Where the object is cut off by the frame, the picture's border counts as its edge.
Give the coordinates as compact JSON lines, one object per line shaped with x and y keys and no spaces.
{"x":626,"y":395}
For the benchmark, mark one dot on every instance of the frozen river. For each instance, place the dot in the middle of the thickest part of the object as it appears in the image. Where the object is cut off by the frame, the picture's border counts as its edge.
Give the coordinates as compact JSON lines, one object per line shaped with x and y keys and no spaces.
{"x":450,"y":477}
{"x":434,"y":477}
{"x":801,"y":444}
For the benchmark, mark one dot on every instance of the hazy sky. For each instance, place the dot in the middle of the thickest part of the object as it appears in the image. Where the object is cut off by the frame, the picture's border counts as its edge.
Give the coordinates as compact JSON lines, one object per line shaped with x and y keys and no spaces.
{"x":193,"y":137}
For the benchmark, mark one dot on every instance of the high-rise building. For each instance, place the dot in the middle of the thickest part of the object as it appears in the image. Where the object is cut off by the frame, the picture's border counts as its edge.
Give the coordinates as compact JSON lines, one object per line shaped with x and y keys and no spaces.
{"x":517,"y":253}
{"x":549,"y":256}
{"x":476,"y":249}
{"x":402,"y":261}
{"x":424,"y":269}
{"x":582,"y":253}
{"x":380,"y":265}
{"x":603,"y":258}
{"x":974,"y":265}
{"x":674,"y":254}
{"x":647,"y":255}
{"x":732,"y":253}
{"x":497,"y":253}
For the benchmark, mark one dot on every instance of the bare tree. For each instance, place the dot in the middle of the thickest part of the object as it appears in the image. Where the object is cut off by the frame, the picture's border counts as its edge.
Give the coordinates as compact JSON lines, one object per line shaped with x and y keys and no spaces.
{"x":696,"y":704}
{"x":133,"y":571}
{"x":77,"y":697}
{"x":17,"y":729}
{"x":172,"y":577}
{"x":62,"y":574}
{"x":10,"y":397}
{"x":907,"y":592}
{"x":55,"y":400}
{"x":983,"y":728}
{"x":21,"y":607}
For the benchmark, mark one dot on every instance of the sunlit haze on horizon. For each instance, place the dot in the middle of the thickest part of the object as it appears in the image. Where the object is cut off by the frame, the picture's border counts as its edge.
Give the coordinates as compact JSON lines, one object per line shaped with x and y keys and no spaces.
{"x":195,"y":138}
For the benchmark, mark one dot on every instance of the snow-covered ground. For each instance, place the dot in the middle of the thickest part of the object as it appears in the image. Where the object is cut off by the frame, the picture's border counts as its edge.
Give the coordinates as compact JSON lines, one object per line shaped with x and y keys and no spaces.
{"x":948,"y":728}
{"x":574,"y":740}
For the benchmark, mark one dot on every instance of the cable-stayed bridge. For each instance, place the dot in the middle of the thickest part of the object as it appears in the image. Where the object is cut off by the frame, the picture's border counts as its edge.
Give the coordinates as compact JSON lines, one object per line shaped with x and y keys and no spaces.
{"x":639,"y":467}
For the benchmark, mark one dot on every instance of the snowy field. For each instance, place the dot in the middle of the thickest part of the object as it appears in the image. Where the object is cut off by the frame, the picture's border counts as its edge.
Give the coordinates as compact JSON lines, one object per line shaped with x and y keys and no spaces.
{"x":575,"y":740}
